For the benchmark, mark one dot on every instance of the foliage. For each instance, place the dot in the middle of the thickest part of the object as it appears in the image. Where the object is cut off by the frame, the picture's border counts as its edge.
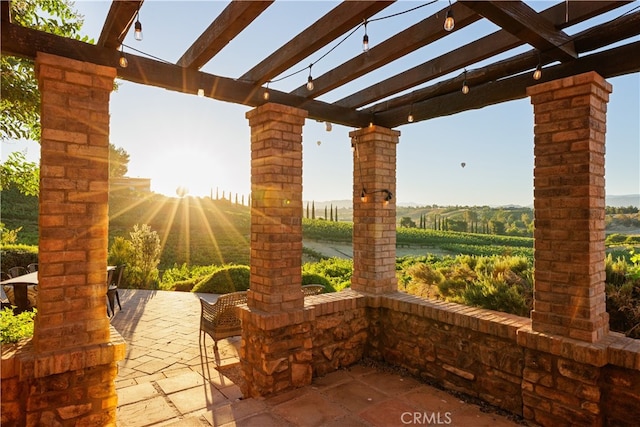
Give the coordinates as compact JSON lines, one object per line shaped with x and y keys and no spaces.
{"x":20,"y":103}
{"x":15,"y":327}
{"x":20,"y":211}
{"x":230,"y":278}
{"x":337,"y":271}
{"x":17,"y":172}
{"x":118,"y":161}
{"x":317,"y":279}
{"x":8,"y":237}
{"x":141,"y":254}
{"x":18,"y":255}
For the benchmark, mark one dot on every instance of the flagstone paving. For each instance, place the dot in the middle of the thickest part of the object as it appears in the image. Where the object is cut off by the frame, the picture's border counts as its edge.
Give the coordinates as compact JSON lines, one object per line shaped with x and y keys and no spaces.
{"x":170,"y":377}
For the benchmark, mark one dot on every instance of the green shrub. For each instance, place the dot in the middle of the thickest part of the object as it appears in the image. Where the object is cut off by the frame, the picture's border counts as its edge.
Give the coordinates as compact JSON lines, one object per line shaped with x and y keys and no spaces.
{"x":337,"y":271}
{"x":615,"y":239}
{"x":186,"y":285}
{"x":15,"y":327}
{"x":18,"y":255}
{"x":228,"y":279}
{"x":317,"y":279}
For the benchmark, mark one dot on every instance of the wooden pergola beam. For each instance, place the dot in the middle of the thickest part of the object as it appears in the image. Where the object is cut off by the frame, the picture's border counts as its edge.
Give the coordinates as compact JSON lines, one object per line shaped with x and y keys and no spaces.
{"x":486,"y":47}
{"x":26,"y":42}
{"x":414,"y":37}
{"x":529,"y":26}
{"x":336,"y":22}
{"x":611,"y":63}
{"x":118,"y":22}
{"x":231,"y":22}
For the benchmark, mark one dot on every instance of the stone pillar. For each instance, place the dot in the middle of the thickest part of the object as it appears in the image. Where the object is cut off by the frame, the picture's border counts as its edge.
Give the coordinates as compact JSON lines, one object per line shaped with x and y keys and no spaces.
{"x":67,"y":375}
{"x":276,"y":329}
{"x":569,"y":206}
{"x":374,"y":215}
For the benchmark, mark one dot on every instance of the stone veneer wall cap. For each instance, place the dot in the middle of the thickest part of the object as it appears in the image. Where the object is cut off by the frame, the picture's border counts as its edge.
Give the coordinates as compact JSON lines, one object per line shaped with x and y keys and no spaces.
{"x":270,"y":321}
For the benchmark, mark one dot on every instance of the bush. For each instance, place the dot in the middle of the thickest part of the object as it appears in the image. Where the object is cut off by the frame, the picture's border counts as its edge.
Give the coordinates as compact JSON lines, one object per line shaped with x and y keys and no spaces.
{"x":337,"y":271}
{"x":317,"y":279}
{"x":18,"y":255}
{"x":15,"y":327}
{"x":228,"y":279}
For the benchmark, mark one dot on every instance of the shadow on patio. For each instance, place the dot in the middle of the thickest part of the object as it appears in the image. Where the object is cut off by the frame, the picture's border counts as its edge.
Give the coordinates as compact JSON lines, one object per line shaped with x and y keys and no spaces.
{"x":168,"y":379}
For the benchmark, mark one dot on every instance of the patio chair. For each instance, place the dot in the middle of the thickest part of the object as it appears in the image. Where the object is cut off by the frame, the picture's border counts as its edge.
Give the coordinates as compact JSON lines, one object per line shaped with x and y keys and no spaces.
{"x":17,"y":271}
{"x":33,"y":267}
{"x":22,"y":296}
{"x":4,"y":276}
{"x":309,"y":290}
{"x":114,"y":278}
{"x":219,"y":319}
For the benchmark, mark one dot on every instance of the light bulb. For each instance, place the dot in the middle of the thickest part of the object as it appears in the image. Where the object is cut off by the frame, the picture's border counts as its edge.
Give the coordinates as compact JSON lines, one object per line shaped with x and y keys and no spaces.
{"x":328,"y":126}
{"x":265,"y":95}
{"x":410,"y":118}
{"x":465,"y":87}
{"x":138,"y":31}
{"x":201,"y":93}
{"x":123,"y":61}
{"x":363,"y":196}
{"x":365,"y":43}
{"x":449,"y":22}
{"x":310,"y":83}
{"x":537,"y":74}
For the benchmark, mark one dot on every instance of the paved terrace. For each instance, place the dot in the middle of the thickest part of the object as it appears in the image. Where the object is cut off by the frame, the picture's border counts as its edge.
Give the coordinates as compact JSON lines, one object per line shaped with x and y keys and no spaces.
{"x":169,"y":379}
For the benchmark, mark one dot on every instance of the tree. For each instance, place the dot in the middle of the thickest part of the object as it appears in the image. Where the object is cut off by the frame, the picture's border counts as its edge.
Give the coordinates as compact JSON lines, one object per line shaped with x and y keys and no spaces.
{"x":17,"y":172}
{"x":118,"y":162}
{"x":407,"y":222}
{"x":20,"y":103}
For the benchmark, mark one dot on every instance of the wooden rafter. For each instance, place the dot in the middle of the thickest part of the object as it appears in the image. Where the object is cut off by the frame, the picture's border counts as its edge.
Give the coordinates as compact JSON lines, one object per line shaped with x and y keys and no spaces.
{"x":590,"y":39}
{"x":119,"y":19}
{"x":26,"y":42}
{"x":476,"y":51}
{"x":233,"y":19}
{"x":529,"y":26}
{"x":336,"y":22}
{"x":414,"y":37}
{"x":611,"y":63}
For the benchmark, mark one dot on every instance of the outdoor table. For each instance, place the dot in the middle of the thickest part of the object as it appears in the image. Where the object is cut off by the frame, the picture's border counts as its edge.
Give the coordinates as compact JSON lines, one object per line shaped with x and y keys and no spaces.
{"x":22,"y":290}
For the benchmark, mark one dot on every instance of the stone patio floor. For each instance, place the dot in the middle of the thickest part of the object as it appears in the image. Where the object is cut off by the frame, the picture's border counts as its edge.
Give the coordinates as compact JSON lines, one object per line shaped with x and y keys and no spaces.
{"x":169,"y":378}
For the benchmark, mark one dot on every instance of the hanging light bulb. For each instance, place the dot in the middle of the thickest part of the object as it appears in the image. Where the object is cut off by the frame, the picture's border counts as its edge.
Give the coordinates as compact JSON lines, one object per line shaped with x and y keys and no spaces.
{"x":310,"y":80}
{"x":123,"y":59}
{"x":138,"y":27}
{"x":265,"y":94}
{"x":538,"y":72}
{"x":328,"y":126}
{"x":449,"y":22}
{"x":465,"y":86}
{"x":388,"y":196}
{"x":365,"y":38}
{"x":363,"y":195}
{"x":201,"y":93}
{"x":410,"y":116}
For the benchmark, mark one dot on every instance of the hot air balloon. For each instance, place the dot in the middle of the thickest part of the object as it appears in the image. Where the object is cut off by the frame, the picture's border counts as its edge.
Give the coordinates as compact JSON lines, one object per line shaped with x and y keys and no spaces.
{"x":463,"y":164}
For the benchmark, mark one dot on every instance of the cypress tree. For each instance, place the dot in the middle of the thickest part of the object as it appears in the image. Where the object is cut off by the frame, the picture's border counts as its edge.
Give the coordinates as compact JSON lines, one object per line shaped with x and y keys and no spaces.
{"x":325,"y":212}
{"x":331,"y":212}
{"x":243,"y":200}
{"x":336,"y":215}
{"x":313,"y":209}
{"x":307,"y":210}
{"x":217,"y":196}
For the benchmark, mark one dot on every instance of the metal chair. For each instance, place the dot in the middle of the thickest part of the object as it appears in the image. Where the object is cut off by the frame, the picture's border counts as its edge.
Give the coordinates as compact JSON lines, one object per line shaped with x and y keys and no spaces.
{"x":17,"y":271}
{"x":114,"y":278}
{"x":33,"y":267}
{"x":219,"y":319}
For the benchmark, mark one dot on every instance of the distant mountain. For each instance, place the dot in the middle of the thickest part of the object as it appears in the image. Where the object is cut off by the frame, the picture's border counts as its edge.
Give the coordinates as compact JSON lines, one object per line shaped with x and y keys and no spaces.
{"x":623,"y":201}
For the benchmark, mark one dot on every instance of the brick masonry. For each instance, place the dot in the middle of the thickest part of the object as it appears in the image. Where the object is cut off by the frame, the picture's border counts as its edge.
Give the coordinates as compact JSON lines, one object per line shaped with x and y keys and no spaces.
{"x":374,"y":220}
{"x":65,"y":375}
{"x":569,"y":204}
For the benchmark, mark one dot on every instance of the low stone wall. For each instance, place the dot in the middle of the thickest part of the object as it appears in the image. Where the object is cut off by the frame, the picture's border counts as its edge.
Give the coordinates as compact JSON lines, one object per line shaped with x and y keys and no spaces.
{"x":60,"y":388}
{"x":494,"y":356}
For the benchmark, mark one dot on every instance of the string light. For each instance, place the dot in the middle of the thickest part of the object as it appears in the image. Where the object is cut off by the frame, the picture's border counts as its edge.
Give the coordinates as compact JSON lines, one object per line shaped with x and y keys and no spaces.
{"x":465,"y":86}
{"x":537,"y":74}
{"x":138,"y":27}
{"x":365,"y":38}
{"x":123,"y":62}
{"x":201,"y":93}
{"x":328,"y":126}
{"x":310,"y":80}
{"x":410,"y":116}
{"x":265,"y":94}
{"x":449,"y":22}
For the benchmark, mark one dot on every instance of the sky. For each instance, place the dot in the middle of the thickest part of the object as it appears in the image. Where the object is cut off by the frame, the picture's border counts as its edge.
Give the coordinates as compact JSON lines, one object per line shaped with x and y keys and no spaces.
{"x":203,"y":144}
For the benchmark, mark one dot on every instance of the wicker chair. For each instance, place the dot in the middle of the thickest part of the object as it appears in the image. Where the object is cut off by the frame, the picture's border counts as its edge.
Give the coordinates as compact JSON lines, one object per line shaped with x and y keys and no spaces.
{"x":219,"y":319}
{"x":309,"y":290}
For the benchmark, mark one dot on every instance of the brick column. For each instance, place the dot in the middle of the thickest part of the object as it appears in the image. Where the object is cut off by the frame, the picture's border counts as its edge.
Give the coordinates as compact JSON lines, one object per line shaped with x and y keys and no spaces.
{"x":569,"y":205}
{"x":374,"y":217}
{"x":276,"y":328}
{"x":66,"y":375}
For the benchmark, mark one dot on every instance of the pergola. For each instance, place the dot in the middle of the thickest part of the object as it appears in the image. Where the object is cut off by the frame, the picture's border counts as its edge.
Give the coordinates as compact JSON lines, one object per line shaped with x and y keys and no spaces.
{"x":561,"y":366}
